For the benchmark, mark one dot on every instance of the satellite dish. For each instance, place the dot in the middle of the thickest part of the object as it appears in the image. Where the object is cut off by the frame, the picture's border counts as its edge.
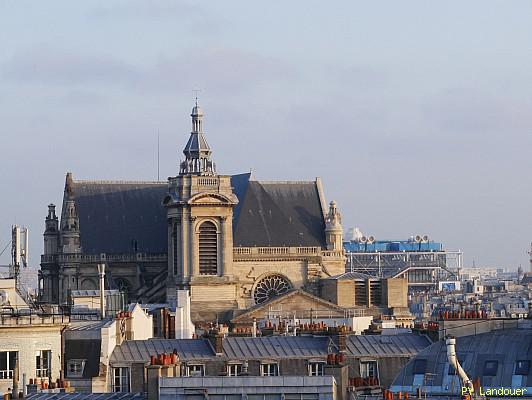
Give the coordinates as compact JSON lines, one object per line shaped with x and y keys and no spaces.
{"x":363,"y":239}
{"x":3,"y":297}
{"x":371,"y":239}
{"x":418,"y":238}
{"x":425,"y":238}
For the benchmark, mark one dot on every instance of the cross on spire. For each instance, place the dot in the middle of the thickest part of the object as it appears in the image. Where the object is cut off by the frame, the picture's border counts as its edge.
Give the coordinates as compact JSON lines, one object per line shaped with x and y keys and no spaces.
{"x":196,"y":91}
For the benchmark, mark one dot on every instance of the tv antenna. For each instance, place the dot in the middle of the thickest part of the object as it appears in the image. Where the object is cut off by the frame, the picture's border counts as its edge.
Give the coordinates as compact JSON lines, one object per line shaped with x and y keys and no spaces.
{"x":158,"y":157}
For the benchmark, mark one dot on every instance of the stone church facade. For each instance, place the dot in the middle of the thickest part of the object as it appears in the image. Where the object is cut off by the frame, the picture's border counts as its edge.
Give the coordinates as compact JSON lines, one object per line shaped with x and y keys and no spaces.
{"x":233,"y":241}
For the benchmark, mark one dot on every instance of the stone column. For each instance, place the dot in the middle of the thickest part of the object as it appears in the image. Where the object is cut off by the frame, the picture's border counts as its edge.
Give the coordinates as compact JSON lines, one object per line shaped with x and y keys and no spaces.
{"x":226,"y":245}
{"x":193,"y":246}
{"x":60,"y":289}
{"x":171,"y":266}
{"x":177,"y":239}
{"x":183,"y":245}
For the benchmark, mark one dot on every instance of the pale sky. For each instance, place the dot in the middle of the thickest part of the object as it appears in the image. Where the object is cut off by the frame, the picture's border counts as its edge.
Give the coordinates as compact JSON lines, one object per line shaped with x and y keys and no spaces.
{"x":417,"y":115}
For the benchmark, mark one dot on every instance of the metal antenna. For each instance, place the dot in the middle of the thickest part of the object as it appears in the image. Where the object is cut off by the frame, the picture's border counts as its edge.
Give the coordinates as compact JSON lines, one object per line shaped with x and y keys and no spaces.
{"x":158,"y":157}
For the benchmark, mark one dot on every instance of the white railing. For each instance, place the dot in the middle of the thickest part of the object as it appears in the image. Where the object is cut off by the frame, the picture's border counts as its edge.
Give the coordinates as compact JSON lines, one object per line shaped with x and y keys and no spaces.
{"x":208,"y":181}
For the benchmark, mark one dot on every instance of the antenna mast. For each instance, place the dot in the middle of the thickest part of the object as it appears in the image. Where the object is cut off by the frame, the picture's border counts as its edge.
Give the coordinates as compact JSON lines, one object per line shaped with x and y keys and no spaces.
{"x":530,"y":254}
{"x":158,"y":157}
{"x":19,"y":250}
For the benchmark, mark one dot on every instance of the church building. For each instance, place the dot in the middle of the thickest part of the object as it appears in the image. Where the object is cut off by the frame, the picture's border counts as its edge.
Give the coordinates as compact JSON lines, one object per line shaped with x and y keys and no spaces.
{"x":233,"y":241}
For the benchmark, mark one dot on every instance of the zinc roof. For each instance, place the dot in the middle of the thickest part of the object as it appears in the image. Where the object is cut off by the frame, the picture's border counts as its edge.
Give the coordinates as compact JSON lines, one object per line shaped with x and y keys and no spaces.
{"x":141,"y":350}
{"x":274,"y":347}
{"x":83,"y":325}
{"x":390,"y":345}
{"x":86,"y":396}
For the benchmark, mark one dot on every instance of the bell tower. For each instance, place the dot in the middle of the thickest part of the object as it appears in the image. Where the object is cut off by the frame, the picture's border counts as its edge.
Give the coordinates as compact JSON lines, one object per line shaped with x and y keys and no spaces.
{"x":333,"y":228}
{"x":199,"y":207}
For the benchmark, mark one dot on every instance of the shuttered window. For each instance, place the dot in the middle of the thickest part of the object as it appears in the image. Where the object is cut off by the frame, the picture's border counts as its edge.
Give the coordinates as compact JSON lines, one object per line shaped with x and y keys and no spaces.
{"x":208,"y":249}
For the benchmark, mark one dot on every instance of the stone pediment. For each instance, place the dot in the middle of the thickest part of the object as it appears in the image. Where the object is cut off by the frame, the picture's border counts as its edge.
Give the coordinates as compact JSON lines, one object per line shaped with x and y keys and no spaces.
{"x":295,"y":301}
{"x":211,"y":199}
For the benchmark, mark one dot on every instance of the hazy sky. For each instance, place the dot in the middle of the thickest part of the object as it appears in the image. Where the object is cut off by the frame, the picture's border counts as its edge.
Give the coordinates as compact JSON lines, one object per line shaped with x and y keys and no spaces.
{"x":417,"y":115}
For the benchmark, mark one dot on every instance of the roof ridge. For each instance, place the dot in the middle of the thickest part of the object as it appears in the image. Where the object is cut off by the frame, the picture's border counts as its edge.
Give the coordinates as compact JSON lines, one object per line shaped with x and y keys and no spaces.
{"x":285,"y":182}
{"x":111,"y":182}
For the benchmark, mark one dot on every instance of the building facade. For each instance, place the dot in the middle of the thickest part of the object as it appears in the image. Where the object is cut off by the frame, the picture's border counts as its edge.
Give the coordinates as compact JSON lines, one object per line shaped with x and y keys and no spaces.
{"x":30,"y":342}
{"x":232,"y":241}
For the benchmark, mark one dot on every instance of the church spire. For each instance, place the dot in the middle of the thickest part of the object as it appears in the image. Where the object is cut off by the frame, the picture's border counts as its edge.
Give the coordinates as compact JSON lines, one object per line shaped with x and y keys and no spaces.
{"x":197,"y":151}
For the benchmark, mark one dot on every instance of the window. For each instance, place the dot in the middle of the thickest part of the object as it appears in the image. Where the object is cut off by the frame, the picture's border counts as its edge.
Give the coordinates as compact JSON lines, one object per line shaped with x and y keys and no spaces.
{"x":368,"y":369}
{"x":42,"y":363}
{"x":490,"y":368}
{"x":208,"y":249}
{"x":195,"y":370}
{"x":7,"y":363}
{"x":269,"y":369}
{"x":315,"y":368}
{"x":522,"y":367}
{"x":75,"y":368}
{"x":420,"y":366}
{"x":121,"y":379}
{"x":234,"y":369}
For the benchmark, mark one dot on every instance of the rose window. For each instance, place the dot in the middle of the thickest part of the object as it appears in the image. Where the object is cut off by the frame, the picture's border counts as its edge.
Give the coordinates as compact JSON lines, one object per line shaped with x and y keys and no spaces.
{"x":269,"y":287}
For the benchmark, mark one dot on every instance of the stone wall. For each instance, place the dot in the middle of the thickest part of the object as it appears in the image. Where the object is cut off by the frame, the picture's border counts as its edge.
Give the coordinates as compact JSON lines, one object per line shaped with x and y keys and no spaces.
{"x":26,"y":341}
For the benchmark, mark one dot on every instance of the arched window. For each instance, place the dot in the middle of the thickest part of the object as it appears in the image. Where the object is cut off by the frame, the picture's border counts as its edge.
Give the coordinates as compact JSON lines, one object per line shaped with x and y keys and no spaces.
{"x":208,"y":249}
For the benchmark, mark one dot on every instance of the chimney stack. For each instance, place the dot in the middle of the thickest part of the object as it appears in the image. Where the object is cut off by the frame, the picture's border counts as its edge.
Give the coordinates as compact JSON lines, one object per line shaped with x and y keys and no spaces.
{"x":217,"y":338}
{"x":254,"y":328}
{"x":101,"y":274}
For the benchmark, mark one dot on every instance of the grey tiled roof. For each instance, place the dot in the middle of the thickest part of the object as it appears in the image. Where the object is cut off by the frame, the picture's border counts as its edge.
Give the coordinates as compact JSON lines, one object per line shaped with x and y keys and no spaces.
{"x":505,"y":346}
{"x":86,"y":396}
{"x":93,"y":292}
{"x":271,"y":347}
{"x":119,"y":217}
{"x":141,"y":350}
{"x":277,"y":213}
{"x":352,"y":276}
{"x":392,"y":345}
{"x":114,"y":216}
{"x":276,"y":347}
{"x":84,"y":325}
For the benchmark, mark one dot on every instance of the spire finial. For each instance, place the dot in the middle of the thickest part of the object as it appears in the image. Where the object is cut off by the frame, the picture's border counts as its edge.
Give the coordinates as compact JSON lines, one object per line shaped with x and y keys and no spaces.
{"x":196,"y":91}
{"x":197,"y":151}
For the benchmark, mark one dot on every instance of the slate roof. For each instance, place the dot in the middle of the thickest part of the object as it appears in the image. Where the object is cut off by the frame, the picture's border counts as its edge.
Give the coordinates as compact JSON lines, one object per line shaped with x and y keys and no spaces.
{"x":84,"y":325}
{"x":86,"y":396}
{"x":505,"y":346}
{"x":352,"y":276}
{"x":277,"y":213}
{"x":383,"y":346}
{"x":271,"y":347}
{"x":117,"y":217}
{"x":268,"y":347}
{"x":93,"y":292}
{"x":114,"y":216}
{"x":84,"y":349}
{"x":276,"y":347}
{"x":141,"y":350}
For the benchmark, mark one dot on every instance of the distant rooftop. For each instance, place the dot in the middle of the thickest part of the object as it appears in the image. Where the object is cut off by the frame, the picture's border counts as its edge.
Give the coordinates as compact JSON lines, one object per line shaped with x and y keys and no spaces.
{"x":392,"y":245}
{"x":86,"y":396}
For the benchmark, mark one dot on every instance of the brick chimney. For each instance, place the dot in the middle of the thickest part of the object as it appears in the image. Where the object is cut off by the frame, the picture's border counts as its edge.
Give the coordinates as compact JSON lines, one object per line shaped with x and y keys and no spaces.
{"x":216,"y":338}
{"x":340,"y":337}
